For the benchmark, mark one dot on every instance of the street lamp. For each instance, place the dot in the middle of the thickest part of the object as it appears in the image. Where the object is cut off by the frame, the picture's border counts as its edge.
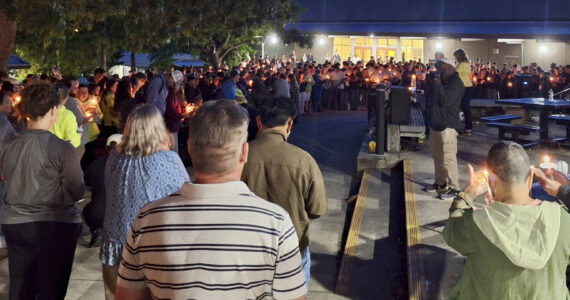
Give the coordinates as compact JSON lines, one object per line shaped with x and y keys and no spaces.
{"x":273,"y":39}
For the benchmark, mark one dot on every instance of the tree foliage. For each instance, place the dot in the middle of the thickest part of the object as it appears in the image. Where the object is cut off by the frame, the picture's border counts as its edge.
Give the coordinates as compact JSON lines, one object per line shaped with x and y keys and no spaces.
{"x":80,"y":35}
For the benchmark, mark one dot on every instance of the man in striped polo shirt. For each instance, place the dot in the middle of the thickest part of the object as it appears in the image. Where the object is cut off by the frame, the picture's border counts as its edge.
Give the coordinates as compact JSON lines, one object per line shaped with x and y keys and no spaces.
{"x":215,"y":239}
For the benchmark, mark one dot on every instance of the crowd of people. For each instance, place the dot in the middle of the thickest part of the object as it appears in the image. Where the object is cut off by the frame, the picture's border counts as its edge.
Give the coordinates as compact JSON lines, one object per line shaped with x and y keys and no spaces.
{"x":240,"y":228}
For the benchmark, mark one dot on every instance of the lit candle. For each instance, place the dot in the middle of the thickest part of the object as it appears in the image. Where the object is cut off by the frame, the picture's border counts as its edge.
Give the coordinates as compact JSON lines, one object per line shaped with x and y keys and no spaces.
{"x":551,"y":78}
{"x":17,"y":99}
{"x":367,"y":79}
{"x":93,"y":102}
{"x":410,"y":89}
{"x":547,"y":164}
{"x":328,"y":77}
{"x":510,"y":84}
{"x":88,"y":114}
{"x":488,"y":78}
{"x":189,"y":108}
{"x":250,"y":83}
{"x":474,"y":78}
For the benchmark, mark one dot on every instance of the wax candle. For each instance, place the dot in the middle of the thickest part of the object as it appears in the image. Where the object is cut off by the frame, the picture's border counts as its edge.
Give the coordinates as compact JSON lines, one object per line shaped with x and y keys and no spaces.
{"x":547,"y":164}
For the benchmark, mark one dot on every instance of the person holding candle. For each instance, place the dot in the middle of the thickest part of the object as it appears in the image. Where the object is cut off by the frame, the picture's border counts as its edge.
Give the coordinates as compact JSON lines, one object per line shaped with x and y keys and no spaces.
{"x":517,"y":247}
{"x":174,"y":115}
{"x":65,"y":126}
{"x":554,"y":183}
{"x":43,"y":181}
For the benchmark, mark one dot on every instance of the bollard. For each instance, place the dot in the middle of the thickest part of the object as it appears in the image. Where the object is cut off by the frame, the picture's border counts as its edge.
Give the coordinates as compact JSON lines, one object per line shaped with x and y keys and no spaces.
{"x":380,"y":119}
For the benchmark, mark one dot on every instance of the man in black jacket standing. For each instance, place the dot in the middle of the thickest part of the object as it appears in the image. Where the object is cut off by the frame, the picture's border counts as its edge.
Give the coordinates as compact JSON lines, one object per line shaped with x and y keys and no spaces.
{"x":443,"y":120}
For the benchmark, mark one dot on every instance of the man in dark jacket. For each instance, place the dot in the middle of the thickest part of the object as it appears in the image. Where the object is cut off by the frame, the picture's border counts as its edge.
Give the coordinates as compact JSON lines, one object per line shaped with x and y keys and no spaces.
{"x":443,"y":117}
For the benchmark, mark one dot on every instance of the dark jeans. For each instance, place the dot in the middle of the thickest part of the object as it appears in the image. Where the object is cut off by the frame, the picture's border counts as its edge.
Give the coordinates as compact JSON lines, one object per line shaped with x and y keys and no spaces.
{"x":466,"y":108}
{"x":40,"y":258}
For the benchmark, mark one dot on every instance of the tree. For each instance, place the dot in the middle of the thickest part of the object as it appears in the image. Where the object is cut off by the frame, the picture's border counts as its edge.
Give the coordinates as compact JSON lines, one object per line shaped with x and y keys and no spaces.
{"x":81,"y":34}
{"x":221,"y":27}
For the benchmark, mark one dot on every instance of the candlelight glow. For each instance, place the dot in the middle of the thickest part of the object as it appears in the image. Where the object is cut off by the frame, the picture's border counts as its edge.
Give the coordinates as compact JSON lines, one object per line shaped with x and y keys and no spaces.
{"x":551,"y":78}
{"x":93,"y":102}
{"x":486,"y":173}
{"x":367,"y":79}
{"x":546,"y":159}
{"x":88,"y":114}
{"x":17,"y":99}
{"x":250,"y":83}
{"x":488,"y":78}
{"x":510,"y":84}
{"x":190,"y":108}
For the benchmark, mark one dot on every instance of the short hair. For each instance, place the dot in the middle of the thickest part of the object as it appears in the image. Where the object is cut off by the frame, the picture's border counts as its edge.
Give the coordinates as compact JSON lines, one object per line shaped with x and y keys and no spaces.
{"x":276,"y":111}
{"x":145,"y":132}
{"x":509,"y":162}
{"x":216,"y":135}
{"x":37,"y":100}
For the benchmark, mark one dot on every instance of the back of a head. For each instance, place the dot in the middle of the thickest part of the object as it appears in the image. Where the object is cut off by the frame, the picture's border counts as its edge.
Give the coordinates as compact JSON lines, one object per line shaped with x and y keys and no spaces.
{"x":37,"y":100}
{"x":145,"y":132}
{"x":276,"y":111}
{"x":509,"y":162}
{"x":216,"y":135}
{"x":460,"y":56}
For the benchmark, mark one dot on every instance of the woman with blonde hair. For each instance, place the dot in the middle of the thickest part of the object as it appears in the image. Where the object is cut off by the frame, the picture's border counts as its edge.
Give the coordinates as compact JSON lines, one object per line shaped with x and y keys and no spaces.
{"x":142,"y":170}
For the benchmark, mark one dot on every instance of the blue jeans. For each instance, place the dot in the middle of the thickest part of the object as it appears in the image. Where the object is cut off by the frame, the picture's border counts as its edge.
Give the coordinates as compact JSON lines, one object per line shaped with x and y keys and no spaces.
{"x":306,"y":263}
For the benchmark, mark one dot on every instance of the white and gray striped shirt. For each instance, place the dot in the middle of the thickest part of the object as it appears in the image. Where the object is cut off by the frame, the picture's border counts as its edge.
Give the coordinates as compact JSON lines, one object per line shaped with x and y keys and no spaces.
{"x":213,"y":241}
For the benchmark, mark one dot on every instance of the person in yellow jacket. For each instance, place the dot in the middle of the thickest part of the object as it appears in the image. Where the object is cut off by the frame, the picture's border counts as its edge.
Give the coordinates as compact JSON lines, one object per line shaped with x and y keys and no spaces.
{"x":463,"y":69}
{"x":110,"y":116}
{"x":65,"y":126}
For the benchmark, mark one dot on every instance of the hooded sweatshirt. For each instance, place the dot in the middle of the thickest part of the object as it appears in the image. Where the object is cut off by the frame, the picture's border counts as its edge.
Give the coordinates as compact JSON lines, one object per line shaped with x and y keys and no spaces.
{"x":514,"y":251}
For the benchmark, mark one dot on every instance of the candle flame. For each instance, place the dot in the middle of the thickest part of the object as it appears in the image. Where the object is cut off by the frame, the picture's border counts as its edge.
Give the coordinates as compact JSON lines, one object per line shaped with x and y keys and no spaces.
{"x":546,"y":159}
{"x":488,"y":78}
{"x":17,"y":99}
{"x":510,"y":84}
{"x":486,"y":173}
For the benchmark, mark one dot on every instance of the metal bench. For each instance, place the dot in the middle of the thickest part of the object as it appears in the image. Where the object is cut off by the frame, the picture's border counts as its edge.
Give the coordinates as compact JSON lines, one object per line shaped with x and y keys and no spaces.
{"x":516,"y":131}
{"x":416,"y":128}
{"x":501,"y":118}
{"x":565,"y":121}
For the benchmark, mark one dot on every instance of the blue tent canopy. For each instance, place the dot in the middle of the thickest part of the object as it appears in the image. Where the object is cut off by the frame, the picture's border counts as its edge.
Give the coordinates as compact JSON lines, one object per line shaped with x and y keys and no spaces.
{"x":16,"y":62}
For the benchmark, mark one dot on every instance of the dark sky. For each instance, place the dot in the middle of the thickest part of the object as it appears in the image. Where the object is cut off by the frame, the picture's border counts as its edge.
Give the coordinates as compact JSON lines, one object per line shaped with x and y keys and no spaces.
{"x":434,"y":10}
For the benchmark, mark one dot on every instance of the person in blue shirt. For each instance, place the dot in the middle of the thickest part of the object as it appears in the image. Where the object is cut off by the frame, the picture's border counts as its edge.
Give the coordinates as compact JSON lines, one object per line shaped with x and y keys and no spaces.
{"x":229,"y":87}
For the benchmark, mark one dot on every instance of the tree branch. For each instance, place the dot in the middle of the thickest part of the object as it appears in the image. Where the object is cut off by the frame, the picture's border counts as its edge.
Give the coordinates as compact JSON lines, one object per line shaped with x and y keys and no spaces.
{"x":230,"y":49}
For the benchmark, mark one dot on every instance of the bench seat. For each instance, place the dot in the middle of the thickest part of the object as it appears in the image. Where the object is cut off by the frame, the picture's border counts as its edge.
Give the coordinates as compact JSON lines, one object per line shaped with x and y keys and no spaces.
{"x":501,"y":118}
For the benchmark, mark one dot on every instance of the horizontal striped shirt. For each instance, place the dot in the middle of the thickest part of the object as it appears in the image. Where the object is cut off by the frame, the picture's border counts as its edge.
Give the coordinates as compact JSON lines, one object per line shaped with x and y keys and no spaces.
{"x":213,"y":241}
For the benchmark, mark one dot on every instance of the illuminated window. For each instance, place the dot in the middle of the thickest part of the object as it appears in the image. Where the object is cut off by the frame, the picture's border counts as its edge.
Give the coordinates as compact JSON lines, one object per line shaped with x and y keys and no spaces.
{"x":342,"y":45}
{"x":386,"y":48}
{"x":412,"y":49}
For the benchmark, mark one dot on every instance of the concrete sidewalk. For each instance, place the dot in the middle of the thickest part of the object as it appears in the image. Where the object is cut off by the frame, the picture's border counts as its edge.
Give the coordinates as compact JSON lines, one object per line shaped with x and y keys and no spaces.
{"x":442,"y":265}
{"x":333,"y":139}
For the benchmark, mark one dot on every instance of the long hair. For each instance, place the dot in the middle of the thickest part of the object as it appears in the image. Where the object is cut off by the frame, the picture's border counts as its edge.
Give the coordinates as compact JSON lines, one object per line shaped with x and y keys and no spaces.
{"x":460,"y":56}
{"x":145,"y":132}
{"x":122,"y":94}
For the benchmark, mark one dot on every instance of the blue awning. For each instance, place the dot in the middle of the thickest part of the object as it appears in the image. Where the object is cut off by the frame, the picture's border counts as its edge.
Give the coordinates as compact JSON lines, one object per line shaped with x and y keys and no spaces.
{"x":448,"y":29}
{"x":16,"y":62}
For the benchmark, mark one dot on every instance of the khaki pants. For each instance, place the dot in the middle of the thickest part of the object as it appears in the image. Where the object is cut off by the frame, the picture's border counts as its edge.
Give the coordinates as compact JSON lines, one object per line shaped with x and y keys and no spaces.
{"x":110,"y":281}
{"x":443,"y":146}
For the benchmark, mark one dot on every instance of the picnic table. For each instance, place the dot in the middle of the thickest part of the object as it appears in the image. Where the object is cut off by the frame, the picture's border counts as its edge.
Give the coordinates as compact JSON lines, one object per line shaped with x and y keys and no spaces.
{"x":543,"y":105}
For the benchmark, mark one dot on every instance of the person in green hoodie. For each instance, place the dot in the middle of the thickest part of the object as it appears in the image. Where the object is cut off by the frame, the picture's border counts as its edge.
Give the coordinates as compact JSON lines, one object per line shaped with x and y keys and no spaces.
{"x":516,"y":247}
